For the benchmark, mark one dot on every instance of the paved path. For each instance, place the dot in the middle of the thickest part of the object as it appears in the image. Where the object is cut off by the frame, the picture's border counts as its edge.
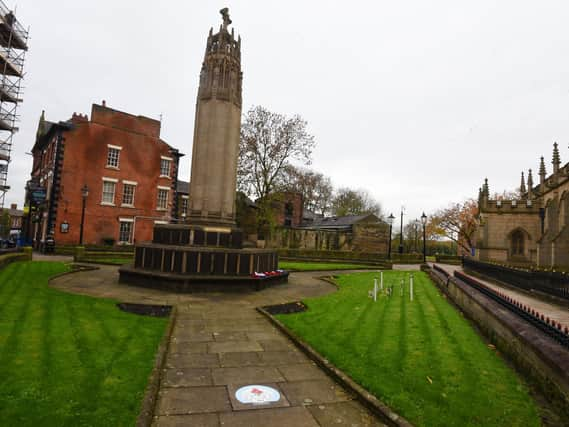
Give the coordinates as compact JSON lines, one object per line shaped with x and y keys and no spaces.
{"x":554,"y":311}
{"x":38,"y":256}
{"x":220,"y":342}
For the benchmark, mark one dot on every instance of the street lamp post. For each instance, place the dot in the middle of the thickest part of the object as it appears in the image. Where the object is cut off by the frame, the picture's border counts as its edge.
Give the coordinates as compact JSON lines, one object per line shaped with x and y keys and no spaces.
{"x":424,"y":222}
{"x":390,"y":219}
{"x":84,"y":194}
{"x":401,"y":235}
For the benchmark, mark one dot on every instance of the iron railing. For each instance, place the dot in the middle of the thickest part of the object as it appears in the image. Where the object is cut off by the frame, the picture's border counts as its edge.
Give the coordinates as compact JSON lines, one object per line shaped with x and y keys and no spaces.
{"x":549,"y":282}
{"x":548,"y":326}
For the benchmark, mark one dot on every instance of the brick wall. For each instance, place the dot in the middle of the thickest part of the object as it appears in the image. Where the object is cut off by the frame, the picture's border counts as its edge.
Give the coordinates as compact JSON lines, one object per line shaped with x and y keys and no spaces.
{"x":84,"y":162}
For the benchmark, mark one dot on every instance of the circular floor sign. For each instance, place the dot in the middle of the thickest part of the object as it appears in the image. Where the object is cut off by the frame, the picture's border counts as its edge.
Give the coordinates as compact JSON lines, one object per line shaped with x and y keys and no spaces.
{"x":257,"y":394}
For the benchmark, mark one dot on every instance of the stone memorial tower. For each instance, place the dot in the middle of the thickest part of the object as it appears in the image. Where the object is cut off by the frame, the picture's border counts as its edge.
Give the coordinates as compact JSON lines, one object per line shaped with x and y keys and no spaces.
{"x":217,"y":130}
{"x":208,"y":253}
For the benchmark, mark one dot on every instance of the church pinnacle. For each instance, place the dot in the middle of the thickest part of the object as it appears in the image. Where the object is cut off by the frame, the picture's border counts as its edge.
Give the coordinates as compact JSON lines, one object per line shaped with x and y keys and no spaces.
{"x":530,"y":184}
{"x":523,"y":185}
{"x":556,"y":158}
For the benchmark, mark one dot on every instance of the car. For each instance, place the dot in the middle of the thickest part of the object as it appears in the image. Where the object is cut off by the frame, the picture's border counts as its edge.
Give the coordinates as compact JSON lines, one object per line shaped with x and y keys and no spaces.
{"x":7,"y":243}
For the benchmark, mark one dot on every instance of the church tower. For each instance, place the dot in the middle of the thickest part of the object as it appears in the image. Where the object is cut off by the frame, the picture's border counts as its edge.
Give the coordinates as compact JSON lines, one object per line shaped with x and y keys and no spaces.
{"x":217,"y":131}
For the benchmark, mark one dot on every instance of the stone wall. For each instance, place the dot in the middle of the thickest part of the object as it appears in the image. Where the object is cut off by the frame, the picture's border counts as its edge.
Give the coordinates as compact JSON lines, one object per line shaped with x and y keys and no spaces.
{"x":494,"y":235}
{"x":542,"y":360}
{"x":363,"y":237}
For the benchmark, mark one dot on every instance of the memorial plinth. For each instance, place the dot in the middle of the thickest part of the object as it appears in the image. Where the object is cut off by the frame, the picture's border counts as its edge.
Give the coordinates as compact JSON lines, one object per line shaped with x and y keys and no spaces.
{"x":188,"y":258}
{"x":208,"y":253}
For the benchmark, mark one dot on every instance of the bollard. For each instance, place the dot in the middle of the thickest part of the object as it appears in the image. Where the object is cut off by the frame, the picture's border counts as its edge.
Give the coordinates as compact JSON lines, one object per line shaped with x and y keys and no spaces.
{"x":375,"y":289}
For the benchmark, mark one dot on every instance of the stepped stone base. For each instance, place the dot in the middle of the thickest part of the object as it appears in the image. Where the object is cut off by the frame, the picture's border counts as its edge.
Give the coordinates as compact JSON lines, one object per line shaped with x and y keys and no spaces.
{"x":188,"y":258}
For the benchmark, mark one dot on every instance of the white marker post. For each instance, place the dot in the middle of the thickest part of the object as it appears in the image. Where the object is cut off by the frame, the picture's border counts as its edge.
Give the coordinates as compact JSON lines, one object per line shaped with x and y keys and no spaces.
{"x":375,"y":289}
{"x":381,"y":281}
{"x":411,"y":287}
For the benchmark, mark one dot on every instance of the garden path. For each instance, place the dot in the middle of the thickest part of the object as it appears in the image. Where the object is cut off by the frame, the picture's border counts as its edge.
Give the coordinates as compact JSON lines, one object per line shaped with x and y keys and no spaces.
{"x":557,"y":312}
{"x":220,"y":342}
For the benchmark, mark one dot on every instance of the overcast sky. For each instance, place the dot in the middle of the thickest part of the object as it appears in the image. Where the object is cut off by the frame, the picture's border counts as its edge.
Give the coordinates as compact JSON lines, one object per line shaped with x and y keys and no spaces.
{"x":414,"y":101}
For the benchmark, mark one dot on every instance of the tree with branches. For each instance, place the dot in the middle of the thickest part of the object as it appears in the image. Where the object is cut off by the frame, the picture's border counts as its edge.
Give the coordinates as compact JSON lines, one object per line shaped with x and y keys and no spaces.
{"x":355,"y":202}
{"x":457,"y":222}
{"x":316,"y":189}
{"x":269,"y":142}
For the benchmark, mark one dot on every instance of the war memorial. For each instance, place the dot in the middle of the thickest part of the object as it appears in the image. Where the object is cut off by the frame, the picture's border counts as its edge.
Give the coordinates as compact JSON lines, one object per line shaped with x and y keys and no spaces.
{"x":143,"y":331}
{"x":209,"y":253}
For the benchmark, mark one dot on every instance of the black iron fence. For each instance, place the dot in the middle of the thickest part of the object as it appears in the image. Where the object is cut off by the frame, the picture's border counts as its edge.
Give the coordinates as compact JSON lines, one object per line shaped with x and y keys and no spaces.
{"x":549,"y":282}
{"x":551,"y":328}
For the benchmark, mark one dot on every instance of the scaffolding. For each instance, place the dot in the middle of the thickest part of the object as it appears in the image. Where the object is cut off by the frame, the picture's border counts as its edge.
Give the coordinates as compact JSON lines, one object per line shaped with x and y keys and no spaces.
{"x":13,"y":47}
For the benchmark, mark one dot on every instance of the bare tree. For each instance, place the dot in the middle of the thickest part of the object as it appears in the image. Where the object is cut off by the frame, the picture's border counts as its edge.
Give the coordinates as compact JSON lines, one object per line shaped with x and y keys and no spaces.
{"x":316,"y":189}
{"x":355,"y":202}
{"x":269,"y":142}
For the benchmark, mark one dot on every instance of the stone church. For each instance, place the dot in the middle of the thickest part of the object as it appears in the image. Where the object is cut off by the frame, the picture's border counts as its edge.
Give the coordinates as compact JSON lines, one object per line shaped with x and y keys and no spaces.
{"x":533,"y":229}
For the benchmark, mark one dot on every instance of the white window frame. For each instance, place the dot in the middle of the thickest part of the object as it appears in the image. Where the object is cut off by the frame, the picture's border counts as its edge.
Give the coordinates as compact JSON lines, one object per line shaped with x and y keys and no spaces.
{"x":185,"y":205}
{"x":167,"y":190}
{"x":133,"y":184}
{"x":114,"y":182}
{"x":131,"y":231}
{"x":169,"y":160}
{"x":117,"y":148}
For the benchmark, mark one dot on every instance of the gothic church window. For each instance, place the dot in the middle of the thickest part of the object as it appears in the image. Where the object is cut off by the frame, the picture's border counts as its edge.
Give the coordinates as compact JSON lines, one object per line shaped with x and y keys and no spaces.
{"x":518,"y":243}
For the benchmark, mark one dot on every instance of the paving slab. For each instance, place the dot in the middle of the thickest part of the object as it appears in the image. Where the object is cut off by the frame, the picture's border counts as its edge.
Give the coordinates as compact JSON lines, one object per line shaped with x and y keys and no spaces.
{"x":302,"y":372}
{"x":198,"y":420}
{"x":191,"y":336}
{"x":313,"y":392}
{"x":187,"y":377}
{"x":233,"y":346}
{"x":192,"y":360}
{"x":272,"y":335}
{"x":230,"y":336}
{"x":234,"y":326}
{"x":192,"y":400}
{"x":343,"y":414}
{"x":187,"y":347}
{"x":246,"y":375}
{"x":277,"y":358}
{"x":233,"y":360}
{"x":277,"y":417}
{"x":277,"y":345}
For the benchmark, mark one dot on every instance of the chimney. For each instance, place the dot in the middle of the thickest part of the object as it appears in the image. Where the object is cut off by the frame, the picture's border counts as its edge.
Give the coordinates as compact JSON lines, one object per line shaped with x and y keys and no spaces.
{"x":104,"y":103}
{"x":14,"y":206}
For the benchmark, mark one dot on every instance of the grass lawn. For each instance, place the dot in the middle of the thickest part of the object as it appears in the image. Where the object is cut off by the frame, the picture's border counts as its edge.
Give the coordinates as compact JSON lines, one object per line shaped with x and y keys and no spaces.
{"x":69,"y":359}
{"x":322,"y":266}
{"x":420,"y":357}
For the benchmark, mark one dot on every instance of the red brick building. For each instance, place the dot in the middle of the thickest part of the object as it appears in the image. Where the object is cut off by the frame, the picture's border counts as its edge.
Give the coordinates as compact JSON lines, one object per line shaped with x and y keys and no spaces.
{"x":129,"y":173}
{"x":288,"y":209}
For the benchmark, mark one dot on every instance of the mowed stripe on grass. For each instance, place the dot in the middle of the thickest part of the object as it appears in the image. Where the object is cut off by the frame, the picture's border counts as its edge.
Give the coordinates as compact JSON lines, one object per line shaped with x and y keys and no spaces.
{"x":69,"y":359}
{"x":421,"y":357}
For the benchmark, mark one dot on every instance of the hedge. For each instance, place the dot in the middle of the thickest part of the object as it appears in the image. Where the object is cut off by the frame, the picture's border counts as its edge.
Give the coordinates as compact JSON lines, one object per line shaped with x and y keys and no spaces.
{"x":13,"y":257}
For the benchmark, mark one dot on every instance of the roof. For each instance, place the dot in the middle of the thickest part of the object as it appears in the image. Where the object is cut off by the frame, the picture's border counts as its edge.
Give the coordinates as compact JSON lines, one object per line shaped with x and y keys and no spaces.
{"x":183,"y":187}
{"x":341,"y":222}
{"x":308,"y":214}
